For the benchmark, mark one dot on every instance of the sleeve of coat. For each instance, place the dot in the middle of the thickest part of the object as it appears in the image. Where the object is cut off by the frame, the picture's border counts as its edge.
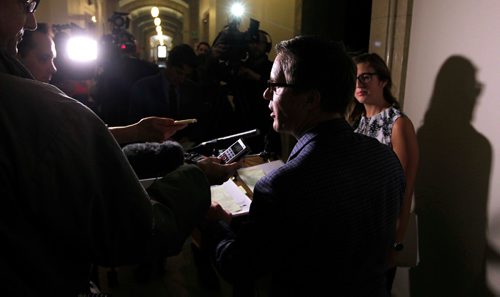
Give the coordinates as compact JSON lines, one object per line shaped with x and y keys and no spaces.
{"x":180,"y":201}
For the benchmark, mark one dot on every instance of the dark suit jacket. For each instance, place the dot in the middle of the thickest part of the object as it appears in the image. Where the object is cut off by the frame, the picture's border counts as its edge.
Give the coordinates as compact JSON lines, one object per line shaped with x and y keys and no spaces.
{"x":323,"y":222}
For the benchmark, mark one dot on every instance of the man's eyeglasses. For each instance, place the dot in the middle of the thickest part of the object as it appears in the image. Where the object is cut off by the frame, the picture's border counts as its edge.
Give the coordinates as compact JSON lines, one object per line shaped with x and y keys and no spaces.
{"x":365,"y":77}
{"x":30,"y":5}
{"x":273,"y":85}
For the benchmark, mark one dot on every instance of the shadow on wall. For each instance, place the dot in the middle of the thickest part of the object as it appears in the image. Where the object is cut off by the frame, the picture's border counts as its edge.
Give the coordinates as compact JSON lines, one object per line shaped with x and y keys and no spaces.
{"x":451,"y":194}
{"x":493,"y":255}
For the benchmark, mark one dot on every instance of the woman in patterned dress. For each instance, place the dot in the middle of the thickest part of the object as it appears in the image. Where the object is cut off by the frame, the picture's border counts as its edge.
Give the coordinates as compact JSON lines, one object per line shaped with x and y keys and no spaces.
{"x":377,"y":114}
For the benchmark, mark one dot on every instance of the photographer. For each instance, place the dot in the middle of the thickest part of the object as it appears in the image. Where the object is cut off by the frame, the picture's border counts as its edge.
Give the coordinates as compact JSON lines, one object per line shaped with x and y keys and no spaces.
{"x":239,"y":69}
{"x":250,"y":83}
{"x":119,"y":68}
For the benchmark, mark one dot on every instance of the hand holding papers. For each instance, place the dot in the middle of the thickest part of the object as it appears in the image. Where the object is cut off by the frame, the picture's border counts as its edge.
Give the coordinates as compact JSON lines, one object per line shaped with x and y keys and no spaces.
{"x":229,"y":195}
{"x":232,"y":198}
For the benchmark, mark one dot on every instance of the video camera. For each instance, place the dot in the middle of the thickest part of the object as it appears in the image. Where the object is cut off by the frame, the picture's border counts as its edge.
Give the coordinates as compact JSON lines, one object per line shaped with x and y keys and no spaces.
{"x":235,"y":44}
{"x":120,"y":21}
{"x":120,"y":40}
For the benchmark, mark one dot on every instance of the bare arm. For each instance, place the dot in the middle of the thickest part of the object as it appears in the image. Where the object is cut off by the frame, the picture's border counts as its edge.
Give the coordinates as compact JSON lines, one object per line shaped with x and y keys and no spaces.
{"x":404,"y":144}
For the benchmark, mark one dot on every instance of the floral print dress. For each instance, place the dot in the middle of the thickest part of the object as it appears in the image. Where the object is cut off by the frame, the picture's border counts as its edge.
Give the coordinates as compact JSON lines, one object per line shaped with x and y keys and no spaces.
{"x":380,"y":125}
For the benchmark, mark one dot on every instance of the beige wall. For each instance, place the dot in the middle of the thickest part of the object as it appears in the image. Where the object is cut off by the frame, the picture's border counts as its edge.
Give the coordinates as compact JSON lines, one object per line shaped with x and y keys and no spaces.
{"x":389,"y":37}
{"x":64,"y":11}
{"x":277,"y":17}
{"x":452,"y":96}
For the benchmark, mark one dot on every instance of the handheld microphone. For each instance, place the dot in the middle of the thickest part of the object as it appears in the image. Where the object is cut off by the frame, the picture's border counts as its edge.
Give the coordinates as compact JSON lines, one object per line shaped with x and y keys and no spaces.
{"x":245,"y":134}
{"x":211,"y":143}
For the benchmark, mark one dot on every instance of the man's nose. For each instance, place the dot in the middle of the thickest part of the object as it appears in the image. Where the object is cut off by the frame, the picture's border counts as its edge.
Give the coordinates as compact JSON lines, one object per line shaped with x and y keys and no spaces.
{"x":267,"y":94}
{"x":53,"y":68}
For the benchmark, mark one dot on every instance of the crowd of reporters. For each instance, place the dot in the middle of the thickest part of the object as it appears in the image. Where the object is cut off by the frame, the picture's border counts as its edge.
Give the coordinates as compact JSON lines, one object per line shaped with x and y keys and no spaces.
{"x":101,"y":214}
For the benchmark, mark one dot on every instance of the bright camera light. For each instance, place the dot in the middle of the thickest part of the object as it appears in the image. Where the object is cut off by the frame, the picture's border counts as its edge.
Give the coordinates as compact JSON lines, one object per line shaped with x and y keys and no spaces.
{"x":157,"y":21}
{"x":162,"y":51}
{"x":82,"y":49}
{"x":155,"y":11}
{"x":237,"y":10}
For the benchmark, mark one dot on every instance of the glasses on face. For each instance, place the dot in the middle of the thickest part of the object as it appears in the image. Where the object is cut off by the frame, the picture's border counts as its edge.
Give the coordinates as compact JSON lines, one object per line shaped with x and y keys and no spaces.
{"x":30,"y":5}
{"x":273,"y":85}
{"x":365,"y":77}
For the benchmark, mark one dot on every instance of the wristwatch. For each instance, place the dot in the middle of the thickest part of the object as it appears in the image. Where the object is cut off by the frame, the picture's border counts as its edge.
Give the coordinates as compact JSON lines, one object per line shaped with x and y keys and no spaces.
{"x":398,"y":246}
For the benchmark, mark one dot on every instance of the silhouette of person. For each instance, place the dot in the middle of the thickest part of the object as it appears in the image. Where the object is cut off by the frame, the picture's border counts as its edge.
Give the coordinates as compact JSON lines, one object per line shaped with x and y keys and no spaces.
{"x":451,"y":193}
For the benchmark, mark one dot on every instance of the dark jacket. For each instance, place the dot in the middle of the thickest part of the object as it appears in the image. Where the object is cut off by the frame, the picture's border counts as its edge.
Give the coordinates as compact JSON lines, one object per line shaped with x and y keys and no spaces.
{"x":323,"y":222}
{"x":69,"y":198}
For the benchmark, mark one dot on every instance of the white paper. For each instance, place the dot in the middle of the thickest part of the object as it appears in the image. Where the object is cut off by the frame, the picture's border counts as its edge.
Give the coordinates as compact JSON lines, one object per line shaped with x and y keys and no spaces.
{"x":250,"y":175}
{"x":231,"y":198}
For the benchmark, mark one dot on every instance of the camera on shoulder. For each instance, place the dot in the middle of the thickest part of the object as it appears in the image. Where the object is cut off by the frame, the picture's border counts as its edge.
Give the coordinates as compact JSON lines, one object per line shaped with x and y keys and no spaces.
{"x":234,"y":44}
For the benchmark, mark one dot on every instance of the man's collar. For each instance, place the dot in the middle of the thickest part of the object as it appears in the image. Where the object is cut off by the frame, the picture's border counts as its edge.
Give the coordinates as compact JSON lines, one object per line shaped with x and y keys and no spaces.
{"x":332,"y":126}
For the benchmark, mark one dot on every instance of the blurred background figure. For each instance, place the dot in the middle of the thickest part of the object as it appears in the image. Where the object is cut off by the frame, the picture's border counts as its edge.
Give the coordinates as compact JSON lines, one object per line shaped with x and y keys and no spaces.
{"x":202,"y":51}
{"x":250,"y":84}
{"x":202,"y":48}
{"x":37,"y":52}
{"x":119,"y":67}
{"x":236,"y":74}
{"x":171,"y":93}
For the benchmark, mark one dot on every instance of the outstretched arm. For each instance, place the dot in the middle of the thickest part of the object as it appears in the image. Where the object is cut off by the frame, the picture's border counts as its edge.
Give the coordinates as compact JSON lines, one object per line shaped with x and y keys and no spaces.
{"x":150,"y":129}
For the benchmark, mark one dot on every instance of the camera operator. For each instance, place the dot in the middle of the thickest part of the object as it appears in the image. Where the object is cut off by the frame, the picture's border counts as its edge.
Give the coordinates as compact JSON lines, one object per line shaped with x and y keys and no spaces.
{"x":250,"y":84}
{"x":119,"y":68}
{"x":238,"y":70}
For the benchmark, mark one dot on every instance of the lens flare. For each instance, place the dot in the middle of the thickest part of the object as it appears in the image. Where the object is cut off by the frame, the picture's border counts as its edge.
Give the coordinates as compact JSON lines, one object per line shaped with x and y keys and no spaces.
{"x":82,"y":49}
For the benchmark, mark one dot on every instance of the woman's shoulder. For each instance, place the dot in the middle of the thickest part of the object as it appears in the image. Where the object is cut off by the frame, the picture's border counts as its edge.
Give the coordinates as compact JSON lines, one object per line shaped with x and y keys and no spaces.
{"x":393,"y":112}
{"x":403,"y":124}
